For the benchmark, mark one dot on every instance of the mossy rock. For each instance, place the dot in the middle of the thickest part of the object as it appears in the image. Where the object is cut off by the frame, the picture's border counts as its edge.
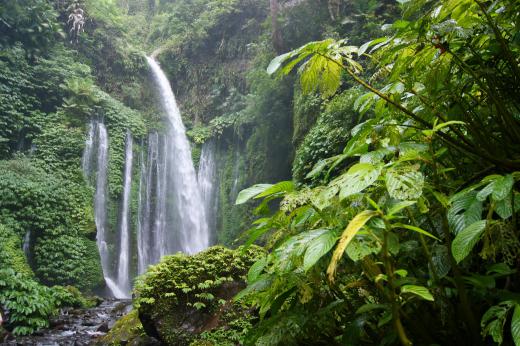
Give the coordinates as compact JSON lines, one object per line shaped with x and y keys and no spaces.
{"x":128,"y":330}
{"x":184,"y":296}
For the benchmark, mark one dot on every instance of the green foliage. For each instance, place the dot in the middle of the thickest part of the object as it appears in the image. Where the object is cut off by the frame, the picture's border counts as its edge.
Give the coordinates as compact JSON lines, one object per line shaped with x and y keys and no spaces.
{"x":11,"y":254}
{"x":182,"y":284}
{"x":327,"y":138}
{"x":32,"y":22}
{"x":413,"y":216}
{"x":59,"y":215}
{"x":126,"y":329}
{"x":29,"y":303}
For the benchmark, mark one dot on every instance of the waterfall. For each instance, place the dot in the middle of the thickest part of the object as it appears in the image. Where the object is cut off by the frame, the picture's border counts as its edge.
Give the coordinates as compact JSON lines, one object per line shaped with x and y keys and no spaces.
{"x":236,"y":174}
{"x":123,"y":269}
{"x":27,"y":244}
{"x":174,"y":212}
{"x":96,"y":151}
{"x":180,"y":222}
{"x":206,"y":178}
{"x":100,"y":205}
{"x":144,"y":228}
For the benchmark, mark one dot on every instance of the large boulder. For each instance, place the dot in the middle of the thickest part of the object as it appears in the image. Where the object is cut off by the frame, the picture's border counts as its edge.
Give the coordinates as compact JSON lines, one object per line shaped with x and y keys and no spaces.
{"x":184,"y":297}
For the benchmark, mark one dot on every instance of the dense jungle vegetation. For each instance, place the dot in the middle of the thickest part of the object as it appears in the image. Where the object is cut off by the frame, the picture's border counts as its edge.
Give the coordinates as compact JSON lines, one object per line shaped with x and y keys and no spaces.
{"x":368,"y":167}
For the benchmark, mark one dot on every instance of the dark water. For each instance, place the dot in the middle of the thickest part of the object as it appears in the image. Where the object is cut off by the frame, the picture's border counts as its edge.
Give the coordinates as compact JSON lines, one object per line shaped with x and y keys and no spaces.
{"x":77,"y":326}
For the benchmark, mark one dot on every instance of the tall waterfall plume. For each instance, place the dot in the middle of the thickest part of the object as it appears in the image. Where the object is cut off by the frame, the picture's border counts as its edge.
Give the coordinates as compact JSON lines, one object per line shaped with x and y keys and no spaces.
{"x":175,"y":219}
{"x":123,"y":267}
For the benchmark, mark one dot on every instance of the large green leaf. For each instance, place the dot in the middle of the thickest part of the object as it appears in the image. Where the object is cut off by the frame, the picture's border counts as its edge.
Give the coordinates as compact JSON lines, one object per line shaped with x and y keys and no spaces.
{"x":317,"y":248}
{"x":360,"y":247}
{"x":282,"y":186}
{"x":515,"y":325}
{"x":348,"y":234}
{"x":502,"y":187}
{"x":415,"y":229}
{"x":419,"y":291}
{"x":504,"y":208}
{"x":465,"y":209}
{"x":467,"y":239}
{"x":246,"y":194}
{"x":494,"y":319}
{"x":404,"y":185}
{"x":358,"y":177}
{"x":277,"y":62}
{"x":256,"y":269}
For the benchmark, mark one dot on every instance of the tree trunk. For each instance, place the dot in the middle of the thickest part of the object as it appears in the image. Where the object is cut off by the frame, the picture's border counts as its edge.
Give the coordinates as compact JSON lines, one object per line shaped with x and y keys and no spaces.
{"x":276,"y":35}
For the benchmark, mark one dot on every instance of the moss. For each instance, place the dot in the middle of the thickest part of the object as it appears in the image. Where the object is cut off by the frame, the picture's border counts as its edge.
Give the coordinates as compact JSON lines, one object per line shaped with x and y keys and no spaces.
{"x":127,"y":330}
{"x":11,"y":254}
{"x":183,"y":296}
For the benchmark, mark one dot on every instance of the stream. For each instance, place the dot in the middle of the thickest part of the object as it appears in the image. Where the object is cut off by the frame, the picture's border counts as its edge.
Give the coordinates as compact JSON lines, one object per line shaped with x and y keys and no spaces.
{"x":77,"y":326}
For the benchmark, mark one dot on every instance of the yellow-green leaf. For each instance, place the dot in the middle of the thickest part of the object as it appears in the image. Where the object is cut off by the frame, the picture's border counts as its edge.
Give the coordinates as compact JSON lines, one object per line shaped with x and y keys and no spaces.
{"x":348,"y":234}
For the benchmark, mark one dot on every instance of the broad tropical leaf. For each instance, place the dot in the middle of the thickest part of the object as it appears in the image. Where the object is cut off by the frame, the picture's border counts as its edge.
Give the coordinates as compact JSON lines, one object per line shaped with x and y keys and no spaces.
{"x":246,"y":194}
{"x":358,"y":177}
{"x":256,"y":269}
{"x":317,"y":248}
{"x":465,"y":209}
{"x":494,"y":319}
{"x":348,"y":234}
{"x":404,"y":185}
{"x":415,"y":229}
{"x":419,"y":291}
{"x":502,"y":187}
{"x":467,"y":239}
{"x":515,"y":325}
{"x":282,"y":186}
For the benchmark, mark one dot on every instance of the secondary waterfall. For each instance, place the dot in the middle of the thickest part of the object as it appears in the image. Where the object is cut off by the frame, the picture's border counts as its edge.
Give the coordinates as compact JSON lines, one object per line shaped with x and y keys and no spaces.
{"x":96,"y":156}
{"x":100,"y":198}
{"x":26,"y":246}
{"x":123,"y":268}
{"x":206,"y":178}
{"x":171,"y":212}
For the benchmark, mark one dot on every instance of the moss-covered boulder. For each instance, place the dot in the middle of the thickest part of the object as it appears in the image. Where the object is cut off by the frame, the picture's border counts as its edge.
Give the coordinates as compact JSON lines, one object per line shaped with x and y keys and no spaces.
{"x":128,"y":330}
{"x":184,"y":299}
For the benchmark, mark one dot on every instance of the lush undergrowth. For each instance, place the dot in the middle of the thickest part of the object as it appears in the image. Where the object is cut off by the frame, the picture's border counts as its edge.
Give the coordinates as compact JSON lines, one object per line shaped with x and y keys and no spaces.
{"x":388,"y":132}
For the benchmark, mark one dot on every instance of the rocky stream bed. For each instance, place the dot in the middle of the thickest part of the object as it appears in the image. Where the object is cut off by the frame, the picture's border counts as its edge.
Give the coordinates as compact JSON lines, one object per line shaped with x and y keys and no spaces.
{"x":76,"y":327}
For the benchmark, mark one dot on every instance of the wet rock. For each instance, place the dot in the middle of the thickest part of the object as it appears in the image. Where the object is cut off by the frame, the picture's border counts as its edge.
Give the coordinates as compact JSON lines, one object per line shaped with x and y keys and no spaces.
{"x":78,"y":327}
{"x":103,"y":328}
{"x":177,"y":318}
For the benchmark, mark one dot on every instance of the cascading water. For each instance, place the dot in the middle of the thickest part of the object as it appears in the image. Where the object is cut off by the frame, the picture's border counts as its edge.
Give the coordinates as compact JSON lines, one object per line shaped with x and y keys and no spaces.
{"x":100,"y":198}
{"x":206,"y":178}
{"x":100,"y":207}
{"x":144,"y":226}
{"x":123,"y":268}
{"x":179,"y":221}
{"x":96,"y":154}
{"x":27,"y":243}
{"x":236,"y":172}
{"x":172,"y":208}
